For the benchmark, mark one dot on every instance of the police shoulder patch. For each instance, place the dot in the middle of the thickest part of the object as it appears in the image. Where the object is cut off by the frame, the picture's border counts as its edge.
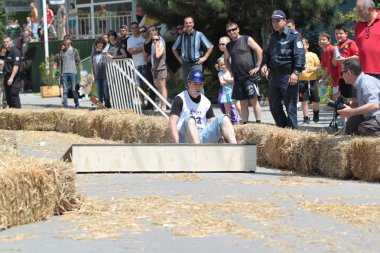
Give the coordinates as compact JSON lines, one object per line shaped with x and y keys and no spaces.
{"x":299,"y":44}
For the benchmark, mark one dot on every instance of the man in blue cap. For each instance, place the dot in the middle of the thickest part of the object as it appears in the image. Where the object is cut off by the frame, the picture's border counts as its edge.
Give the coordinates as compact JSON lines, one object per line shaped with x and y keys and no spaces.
{"x":284,"y":59}
{"x":192,"y":119}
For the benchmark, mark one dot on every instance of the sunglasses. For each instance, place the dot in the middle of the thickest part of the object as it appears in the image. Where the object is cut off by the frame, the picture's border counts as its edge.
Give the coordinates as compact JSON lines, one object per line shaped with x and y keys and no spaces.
{"x":367,"y":32}
{"x":343,"y":71}
{"x":231,"y":30}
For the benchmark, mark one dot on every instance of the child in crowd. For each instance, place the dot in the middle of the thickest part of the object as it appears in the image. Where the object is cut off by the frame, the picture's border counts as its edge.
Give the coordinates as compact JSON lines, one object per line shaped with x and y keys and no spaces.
{"x":308,"y":87}
{"x":347,"y":49}
{"x":98,"y":59}
{"x":327,"y":62}
{"x":226,"y":81}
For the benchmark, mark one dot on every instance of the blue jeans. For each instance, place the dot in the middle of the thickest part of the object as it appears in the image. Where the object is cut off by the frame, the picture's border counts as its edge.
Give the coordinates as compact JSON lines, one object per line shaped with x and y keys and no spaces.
{"x":69,"y":80}
{"x":103,"y":95}
{"x":187,"y":68}
{"x":211,"y":134}
{"x":35,"y":31}
{"x":143,"y":71}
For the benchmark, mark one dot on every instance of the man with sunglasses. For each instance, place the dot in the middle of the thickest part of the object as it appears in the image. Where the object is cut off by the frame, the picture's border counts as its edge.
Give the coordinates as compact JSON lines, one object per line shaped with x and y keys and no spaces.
{"x":188,"y":48}
{"x":243,"y":66}
{"x":367,"y":37}
{"x":364,"y":119}
{"x":284,"y":59}
{"x":192,"y":119}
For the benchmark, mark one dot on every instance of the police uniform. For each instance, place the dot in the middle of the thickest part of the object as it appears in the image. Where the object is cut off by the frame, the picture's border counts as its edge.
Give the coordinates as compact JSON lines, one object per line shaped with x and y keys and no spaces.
{"x":283,"y":56}
{"x":12,"y":58}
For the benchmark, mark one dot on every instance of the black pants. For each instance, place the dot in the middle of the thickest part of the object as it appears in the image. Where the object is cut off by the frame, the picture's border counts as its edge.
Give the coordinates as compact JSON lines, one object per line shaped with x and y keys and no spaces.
{"x":12,"y":91}
{"x":358,"y":125}
{"x":280,"y":89}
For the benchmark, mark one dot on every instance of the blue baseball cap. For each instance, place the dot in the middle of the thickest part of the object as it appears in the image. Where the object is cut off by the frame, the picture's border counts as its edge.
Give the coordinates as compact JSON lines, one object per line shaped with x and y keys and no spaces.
{"x":196,"y":76}
{"x":278,"y":14}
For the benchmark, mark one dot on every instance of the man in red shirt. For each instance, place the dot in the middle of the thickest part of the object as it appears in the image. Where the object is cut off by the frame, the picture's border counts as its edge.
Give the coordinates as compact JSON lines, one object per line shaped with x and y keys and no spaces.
{"x":329,"y":67}
{"x":367,"y":37}
{"x":347,"y":49}
{"x":49,"y":20}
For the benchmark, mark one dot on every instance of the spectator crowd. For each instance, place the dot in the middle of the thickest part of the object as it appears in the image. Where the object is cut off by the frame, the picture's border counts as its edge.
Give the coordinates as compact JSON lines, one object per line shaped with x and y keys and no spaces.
{"x":286,"y":62}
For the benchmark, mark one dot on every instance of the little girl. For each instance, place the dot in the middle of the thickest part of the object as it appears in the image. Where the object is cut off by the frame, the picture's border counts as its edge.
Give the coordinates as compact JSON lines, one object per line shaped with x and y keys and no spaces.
{"x":226,"y":81}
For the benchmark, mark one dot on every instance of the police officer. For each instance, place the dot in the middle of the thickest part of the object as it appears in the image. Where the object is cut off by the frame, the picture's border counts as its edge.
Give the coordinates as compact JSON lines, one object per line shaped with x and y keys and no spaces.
{"x":283,"y":59}
{"x":12,"y":65}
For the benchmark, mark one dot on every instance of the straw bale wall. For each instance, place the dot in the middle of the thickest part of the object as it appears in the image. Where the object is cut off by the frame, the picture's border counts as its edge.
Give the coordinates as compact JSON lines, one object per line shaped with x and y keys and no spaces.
{"x":308,"y":153}
{"x":365,"y":158}
{"x":31,"y":189}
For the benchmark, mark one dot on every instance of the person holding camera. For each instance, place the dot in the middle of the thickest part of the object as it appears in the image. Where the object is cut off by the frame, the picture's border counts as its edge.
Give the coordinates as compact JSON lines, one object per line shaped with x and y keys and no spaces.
{"x":364,"y":119}
{"x":244,"y":66}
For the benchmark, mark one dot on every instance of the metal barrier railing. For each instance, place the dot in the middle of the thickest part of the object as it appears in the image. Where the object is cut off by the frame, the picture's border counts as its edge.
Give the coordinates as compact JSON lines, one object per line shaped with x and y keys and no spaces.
{"x":124,"y":92}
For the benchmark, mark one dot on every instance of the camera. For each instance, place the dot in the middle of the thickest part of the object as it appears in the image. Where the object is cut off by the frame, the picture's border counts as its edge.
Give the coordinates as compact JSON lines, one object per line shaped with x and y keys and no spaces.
{"x":338,"y":104}
{"x":258,"y":79}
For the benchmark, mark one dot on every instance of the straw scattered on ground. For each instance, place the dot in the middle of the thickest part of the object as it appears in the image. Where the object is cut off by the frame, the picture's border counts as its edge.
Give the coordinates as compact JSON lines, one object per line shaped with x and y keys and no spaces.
{"x":186,"y":217}
{"x":348,"y":213}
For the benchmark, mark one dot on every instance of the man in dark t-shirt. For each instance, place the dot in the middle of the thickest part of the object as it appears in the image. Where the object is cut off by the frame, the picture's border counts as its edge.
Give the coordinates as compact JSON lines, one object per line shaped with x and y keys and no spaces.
{"x":12,"y":67}
{"x":243,"y":66}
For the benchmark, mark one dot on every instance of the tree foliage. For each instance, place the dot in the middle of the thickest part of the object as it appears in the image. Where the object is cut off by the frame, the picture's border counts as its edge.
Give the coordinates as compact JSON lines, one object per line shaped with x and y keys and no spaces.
{"x":2,"y":19}
{"x":254,"y":17}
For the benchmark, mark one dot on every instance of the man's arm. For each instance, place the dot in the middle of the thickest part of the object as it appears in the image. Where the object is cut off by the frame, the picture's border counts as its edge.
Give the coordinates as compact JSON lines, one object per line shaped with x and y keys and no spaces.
{"x":259,"y":55}
{"x":135,"y":50}
{"x":226,"y":56}
{"x":364,"y":109}
{"x":77,"y":60}
{"x":177,"y":44}
{"x":13,"y":74}
{"x":299,"y":59}
{"x":206,"y":55}
{"x":173,"y":120}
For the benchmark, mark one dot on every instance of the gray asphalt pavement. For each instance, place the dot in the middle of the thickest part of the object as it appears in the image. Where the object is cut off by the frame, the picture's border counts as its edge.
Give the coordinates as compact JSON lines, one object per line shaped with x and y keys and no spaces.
{"x":266,"y":211}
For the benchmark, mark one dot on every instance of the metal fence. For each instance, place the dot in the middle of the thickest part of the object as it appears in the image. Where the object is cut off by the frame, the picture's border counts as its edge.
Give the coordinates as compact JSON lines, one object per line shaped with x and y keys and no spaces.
{"x":124,"y":92}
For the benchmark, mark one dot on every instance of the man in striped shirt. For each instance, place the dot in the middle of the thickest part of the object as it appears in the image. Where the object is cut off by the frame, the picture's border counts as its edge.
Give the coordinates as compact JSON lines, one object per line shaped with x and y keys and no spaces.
{"x":188,"y":48}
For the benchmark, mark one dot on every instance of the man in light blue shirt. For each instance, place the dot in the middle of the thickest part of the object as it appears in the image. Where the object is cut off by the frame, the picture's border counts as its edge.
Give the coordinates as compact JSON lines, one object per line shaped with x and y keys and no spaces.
{"x":364,"y":119}
{"x":190,"y":45}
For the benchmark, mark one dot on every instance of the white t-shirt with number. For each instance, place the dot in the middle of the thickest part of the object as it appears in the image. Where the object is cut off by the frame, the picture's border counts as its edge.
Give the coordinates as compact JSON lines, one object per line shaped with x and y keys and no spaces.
{"x":197,"y":110}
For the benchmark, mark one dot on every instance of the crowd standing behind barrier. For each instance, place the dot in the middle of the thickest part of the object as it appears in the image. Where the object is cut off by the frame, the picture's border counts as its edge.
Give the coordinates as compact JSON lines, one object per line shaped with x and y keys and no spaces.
{"x":188,"y":51}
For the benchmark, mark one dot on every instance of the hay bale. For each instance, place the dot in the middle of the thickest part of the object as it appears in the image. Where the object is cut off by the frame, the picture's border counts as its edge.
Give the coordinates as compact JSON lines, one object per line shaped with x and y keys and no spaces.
{"x":41,"y":120}
{"x":9,"y":119}
{"x":8,"y":142}
{"x":334,"y":160}
{"x":71,"y":121}
{"x":255,"y":134}
{"x":365,"y":155}
{"x":32,"y":189}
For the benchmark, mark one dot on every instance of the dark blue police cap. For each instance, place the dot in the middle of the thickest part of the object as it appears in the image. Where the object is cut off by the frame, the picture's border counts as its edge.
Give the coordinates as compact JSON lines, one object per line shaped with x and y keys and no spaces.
{"x":279,"y":14}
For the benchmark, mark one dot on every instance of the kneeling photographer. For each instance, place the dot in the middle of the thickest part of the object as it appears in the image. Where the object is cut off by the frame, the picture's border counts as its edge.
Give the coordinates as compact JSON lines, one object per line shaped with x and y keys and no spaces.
{"x":364,"y":119}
